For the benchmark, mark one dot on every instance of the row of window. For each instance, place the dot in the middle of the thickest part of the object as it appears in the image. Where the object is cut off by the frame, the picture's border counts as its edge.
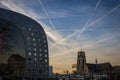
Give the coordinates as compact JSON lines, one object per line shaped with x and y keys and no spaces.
{"x":40,"y":54}
{"x":34,"y":55}
{"x":30,"y":29}
{"x":40,"y":59}
{"x":40,"y":71}
{"x":33,"y":39}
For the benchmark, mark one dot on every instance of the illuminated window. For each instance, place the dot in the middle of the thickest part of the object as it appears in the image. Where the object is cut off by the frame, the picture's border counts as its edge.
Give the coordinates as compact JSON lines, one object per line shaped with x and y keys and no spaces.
{"x":33,"y":39}
{"x":45,"y":50}
{"x":34,"y":44}
{"x":45,"y":55}
{"x":45,"y":60}
{"x":35,"y":54}
{"x":32,"y":34}
{"x":29,"y":53}
{"x":35,"y":49}
{"x":29,"y":29}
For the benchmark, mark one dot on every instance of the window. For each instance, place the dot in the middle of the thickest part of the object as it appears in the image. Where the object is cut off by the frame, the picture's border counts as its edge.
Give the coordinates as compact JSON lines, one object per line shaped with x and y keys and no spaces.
{"x":45,"y":55}
{"x":40,"y":59}
{"x":28,"y":38}
{"x":23,"y":27}
{"x":45,"y":50}
{"x":29,"y":29}
{"x":45,"y":46}
{"x":35,"y":49}
{"x":35,"y":59}
{"x":46,"y":72}
{"x":43,"y":36}
{"x":32,"y":34}
{"x":40,"y":50}
{"x":33,"y":39}
{"x":45,"y":60}
{"x":44,"y":41}
{"x":34,"y":44}
{"x":40,"y":54}
{"x":35,"y":64}
{"x":35,"y":54}
{"x":29,"y":48}
{"x":29,"y":53}
{"x":39,"y":40}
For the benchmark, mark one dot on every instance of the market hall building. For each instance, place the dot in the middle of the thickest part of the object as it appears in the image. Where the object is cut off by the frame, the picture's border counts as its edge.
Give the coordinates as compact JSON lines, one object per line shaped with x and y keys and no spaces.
{"x":23,"y":47}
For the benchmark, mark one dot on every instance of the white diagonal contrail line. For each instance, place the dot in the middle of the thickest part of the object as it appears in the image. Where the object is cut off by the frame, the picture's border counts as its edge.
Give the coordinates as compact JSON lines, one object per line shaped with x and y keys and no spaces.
{"x":88,"y":46}
{"x":91,"y":24}
{"x":47,"y":15}
{"x":85,"y":26}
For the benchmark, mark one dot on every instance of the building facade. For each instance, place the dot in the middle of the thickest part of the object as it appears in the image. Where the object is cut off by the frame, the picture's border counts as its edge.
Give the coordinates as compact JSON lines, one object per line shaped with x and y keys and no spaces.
{"x":87,"y":68}
{"x":51,"y":71}
{"x":81,"y":63}
{"x":36,"y":63}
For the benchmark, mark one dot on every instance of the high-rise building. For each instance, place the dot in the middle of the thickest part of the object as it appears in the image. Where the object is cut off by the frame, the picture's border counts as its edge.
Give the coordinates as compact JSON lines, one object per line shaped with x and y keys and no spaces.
{"x":26,"y":37}
{"x":86,"y":68}
{"x":50,"y":71}
{"x":81,"y":63}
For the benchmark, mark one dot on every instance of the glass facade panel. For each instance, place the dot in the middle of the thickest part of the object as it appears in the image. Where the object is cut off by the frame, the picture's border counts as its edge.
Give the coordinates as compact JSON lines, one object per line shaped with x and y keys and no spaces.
{"x":22,"y":46}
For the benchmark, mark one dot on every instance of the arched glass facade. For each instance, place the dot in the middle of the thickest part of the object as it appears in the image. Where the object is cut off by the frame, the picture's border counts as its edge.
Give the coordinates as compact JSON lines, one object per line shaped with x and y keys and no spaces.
{"x":23,"y":47}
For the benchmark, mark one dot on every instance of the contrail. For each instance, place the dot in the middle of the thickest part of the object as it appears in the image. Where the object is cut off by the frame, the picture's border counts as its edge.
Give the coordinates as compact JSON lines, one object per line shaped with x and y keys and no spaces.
{"x":70,"y":30}
{"x":85,"y":26}
{"x":87,"y":46}
{"x":65,"y":39}
{"x":103,"y":16}
{"x":91,"y":24}
{"x":47,"y":15}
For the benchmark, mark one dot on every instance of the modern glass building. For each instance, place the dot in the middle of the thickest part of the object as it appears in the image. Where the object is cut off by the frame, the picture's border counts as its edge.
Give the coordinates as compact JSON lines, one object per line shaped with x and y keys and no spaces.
{"x":23,"y":48}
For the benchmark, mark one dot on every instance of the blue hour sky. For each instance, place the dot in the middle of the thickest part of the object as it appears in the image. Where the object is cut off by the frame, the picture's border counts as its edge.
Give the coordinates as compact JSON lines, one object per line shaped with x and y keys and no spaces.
{"x":72,"y":25}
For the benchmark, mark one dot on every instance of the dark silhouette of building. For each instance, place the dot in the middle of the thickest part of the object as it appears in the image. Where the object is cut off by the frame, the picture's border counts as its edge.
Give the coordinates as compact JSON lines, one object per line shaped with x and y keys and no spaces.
{"x":114,"y":74}
{"x":86,"y":68}
{"x":81,"y":63}
{"x":36,"y":65}
{"x":99,"y":68}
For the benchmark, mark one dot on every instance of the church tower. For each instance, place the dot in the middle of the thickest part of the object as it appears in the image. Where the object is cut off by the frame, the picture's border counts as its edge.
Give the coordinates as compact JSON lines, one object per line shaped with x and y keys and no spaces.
{"x":81,"y":63}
